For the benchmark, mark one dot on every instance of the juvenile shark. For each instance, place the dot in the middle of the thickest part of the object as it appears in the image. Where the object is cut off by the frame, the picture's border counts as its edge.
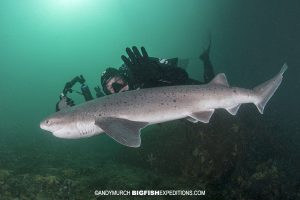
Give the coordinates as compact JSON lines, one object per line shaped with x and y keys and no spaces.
{"x":121,"y":116}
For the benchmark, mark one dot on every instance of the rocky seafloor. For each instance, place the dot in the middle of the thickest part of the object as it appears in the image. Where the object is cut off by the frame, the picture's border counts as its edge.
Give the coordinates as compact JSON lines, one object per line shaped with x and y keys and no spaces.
{"x":247,"y":156}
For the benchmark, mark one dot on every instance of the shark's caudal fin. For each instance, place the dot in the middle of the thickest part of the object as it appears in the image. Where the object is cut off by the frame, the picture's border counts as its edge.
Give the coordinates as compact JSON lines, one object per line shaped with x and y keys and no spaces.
{"x":266,"y":90}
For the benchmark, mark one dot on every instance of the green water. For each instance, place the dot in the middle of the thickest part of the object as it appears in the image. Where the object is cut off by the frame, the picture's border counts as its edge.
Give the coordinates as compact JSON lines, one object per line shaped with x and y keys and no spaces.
{"x":44,"y":44}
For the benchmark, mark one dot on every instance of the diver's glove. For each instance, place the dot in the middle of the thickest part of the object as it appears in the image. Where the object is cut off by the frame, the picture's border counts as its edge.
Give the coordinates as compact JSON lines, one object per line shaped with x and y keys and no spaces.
{"x":142,"y":67}
{"x":98,"y":92}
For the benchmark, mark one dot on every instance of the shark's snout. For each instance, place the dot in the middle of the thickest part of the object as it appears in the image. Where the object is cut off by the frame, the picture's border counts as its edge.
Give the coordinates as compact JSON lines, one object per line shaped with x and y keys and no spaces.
{"x":58,"y":127}
{"x":44,"y":126}
{"x":48,"y":125}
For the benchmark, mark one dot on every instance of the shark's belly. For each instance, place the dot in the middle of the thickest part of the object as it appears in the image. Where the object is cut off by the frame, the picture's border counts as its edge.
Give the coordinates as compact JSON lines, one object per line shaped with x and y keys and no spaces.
{"x":158,"y":116}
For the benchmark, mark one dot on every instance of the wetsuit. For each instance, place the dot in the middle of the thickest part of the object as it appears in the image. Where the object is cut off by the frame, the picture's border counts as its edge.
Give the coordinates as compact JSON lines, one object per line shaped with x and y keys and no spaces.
{"x":141,"y":71}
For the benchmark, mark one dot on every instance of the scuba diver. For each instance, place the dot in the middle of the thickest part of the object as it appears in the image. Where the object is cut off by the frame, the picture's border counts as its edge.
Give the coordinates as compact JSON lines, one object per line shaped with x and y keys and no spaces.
{"x":138,"y":71}
{"x":141,"y":71}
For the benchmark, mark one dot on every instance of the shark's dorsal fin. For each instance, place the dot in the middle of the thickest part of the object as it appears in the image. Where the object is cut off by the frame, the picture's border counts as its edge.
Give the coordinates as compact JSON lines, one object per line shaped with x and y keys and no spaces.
{"x":220,"y":79}
{"x":121,"y":130}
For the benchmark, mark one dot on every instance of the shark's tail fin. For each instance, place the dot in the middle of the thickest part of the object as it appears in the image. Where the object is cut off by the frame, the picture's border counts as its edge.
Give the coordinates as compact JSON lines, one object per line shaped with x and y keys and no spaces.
{"x":266,"y":90}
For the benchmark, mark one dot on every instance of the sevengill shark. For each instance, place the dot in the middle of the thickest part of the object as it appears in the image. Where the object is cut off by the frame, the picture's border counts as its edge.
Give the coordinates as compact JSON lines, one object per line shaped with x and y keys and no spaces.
{"x":121,"y":116}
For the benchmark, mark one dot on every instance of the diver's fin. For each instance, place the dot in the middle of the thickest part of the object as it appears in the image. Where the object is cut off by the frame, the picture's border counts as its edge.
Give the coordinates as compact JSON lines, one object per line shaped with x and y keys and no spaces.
{"x":266,"y":90}
{"x":203,"y":116}
{"x":205,"y":54}
{"x":193,"y":120}
{"x":233,"y":110}
{"x":123,"y":131}
{"x":220,"y":79}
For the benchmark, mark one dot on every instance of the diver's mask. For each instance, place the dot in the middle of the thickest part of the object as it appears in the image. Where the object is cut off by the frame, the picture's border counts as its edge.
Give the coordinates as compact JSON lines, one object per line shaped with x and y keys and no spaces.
{"x":113,"y":81}
{"x":116,"y":84}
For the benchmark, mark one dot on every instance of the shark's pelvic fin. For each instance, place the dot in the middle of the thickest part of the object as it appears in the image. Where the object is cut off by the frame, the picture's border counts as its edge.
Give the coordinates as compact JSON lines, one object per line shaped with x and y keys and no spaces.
{"x":220,"y":79}
{"x":123,"y":131}
{"x":266,"y":90}
{"x":203,"y":116}
{"x":233,"y":110}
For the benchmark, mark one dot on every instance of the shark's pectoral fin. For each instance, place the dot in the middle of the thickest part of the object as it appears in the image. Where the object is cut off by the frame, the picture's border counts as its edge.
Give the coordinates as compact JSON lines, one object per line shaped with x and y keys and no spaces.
{"x":203,"y":116}
{"x":123,"y":131}
{"x":233,"y":110}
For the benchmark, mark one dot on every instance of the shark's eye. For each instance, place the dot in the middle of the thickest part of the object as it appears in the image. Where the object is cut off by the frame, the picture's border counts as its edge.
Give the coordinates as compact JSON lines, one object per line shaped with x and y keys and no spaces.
{"x":47,"y":122}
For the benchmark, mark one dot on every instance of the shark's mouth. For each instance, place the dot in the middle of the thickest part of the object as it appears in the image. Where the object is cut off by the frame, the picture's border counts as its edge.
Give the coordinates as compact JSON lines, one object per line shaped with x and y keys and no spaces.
{"x":58,"y":132}
{"x":62,"y":133}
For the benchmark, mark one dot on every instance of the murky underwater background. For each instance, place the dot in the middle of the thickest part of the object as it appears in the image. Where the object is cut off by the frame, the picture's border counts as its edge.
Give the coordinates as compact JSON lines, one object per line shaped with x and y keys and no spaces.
{"x":44,"y":44}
